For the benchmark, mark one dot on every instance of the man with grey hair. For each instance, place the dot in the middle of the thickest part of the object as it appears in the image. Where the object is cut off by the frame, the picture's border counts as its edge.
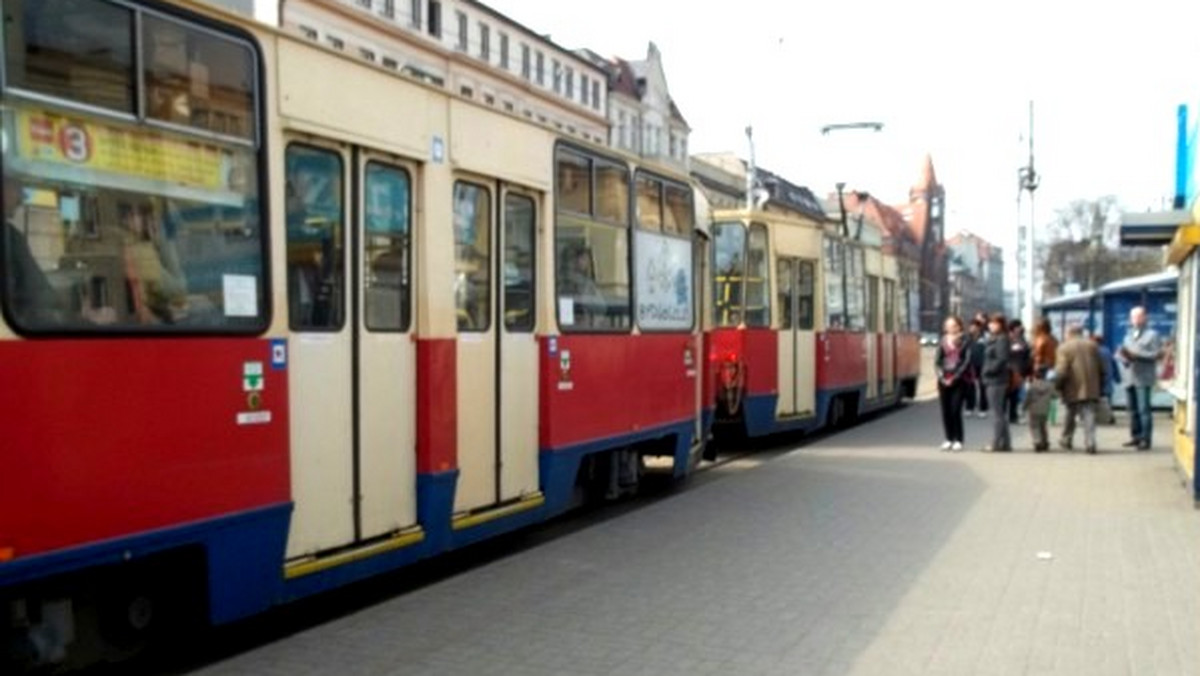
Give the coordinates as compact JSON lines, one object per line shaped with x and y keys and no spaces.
{"x":1140,"y":353}
{"x":1079,"y":377}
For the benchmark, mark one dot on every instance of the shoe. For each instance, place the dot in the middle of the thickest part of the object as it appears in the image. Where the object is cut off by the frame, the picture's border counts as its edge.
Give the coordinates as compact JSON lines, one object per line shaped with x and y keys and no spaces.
{"x":1065,"y":444}
{"x":983,"y":414}
{"x":1143,"y":446}
{"x":1041,"y":448}
{"x":946,"y":445}
{"x":1091,"y":450}
{"x":1131,"y":443}
{"x":956,"y":446}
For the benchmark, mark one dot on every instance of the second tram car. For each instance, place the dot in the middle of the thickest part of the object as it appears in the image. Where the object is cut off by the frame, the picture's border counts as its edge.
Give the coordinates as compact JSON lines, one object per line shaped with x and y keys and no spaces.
{"x":808,"y":327}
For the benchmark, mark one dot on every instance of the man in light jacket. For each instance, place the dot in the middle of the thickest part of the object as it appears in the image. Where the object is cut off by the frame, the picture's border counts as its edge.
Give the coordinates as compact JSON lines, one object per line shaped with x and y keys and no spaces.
{"x":1140,"y":353}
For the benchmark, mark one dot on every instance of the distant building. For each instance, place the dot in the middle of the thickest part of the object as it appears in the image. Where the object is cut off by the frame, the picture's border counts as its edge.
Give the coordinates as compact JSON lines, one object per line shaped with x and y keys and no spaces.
{"x":976,"y":275}
{"x":722,"y":177}
{"x":643,"y":118}
{"x":463,"y":46}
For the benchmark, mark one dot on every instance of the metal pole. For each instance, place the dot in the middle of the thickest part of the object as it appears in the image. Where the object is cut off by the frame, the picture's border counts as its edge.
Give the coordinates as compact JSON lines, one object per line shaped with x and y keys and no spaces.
{"x":1027,"y":320}
{"x":750,"y":179}
{"x":842,"y":245}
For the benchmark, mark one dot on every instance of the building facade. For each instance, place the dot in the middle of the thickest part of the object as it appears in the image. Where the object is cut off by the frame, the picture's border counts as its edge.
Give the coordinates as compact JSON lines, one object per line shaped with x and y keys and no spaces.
{"x":642,"y":117}
{"x":976,"y":275}
{"x":463,"y":46}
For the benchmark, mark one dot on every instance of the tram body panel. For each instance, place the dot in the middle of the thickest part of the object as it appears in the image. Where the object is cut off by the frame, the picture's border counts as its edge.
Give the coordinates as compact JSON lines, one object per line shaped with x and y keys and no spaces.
{"x":174,"y":429}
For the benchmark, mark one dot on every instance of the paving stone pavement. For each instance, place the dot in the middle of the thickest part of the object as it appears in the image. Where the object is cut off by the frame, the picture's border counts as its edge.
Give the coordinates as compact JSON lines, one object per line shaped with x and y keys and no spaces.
{"x":865,"y":552}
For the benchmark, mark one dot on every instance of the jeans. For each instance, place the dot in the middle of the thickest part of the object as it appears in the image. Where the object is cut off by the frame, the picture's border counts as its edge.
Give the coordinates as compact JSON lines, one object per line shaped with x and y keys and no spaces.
{"x":1085,"y":410}
{"x":998,"y":394}
{"x":1012,"y":402}
{"x":951,"y":399}
{"x":1141,"y":425}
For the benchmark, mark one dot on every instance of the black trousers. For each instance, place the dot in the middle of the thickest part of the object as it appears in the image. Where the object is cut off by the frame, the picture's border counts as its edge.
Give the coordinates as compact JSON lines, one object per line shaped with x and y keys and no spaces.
{"x":951,"y":399}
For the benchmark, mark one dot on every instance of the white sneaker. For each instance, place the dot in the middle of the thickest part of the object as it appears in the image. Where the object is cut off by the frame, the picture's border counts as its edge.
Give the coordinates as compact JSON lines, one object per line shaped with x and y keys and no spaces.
{"x":946,"y":445}
{"x":956,"y":446}
{"x":983,"y":414}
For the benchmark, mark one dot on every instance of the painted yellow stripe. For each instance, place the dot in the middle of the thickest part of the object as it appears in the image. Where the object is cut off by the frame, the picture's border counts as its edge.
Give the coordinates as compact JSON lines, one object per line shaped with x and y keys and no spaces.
{"x":317,"y":564}
{"x":1187,"y":237}
{"x":523,"y":505}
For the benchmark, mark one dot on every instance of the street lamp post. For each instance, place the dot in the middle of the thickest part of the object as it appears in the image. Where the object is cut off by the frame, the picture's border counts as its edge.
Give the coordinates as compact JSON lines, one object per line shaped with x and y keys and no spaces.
{"x":841,"y":187}
{"x":1028,"y":181}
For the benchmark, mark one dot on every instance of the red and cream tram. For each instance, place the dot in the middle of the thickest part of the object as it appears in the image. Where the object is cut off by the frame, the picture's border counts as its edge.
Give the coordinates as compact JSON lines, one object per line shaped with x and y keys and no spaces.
{"x":810,"y":326}
{"x":276,"y":320}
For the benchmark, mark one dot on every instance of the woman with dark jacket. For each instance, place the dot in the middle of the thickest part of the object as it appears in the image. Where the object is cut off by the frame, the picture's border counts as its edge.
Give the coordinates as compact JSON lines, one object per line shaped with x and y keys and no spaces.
{"x":997,"y":377}
{"x":950,"y":362}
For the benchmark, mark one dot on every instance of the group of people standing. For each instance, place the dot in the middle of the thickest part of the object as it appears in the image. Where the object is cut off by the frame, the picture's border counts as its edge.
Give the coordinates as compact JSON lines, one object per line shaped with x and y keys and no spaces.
{"x":990,"y":361}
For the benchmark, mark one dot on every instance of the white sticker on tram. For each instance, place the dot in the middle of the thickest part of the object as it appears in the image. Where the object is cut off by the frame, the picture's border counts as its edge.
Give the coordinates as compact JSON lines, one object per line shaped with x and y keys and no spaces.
{"x":241,"y":295}
{"x":254,"y":417}
{"x":566,"y":311}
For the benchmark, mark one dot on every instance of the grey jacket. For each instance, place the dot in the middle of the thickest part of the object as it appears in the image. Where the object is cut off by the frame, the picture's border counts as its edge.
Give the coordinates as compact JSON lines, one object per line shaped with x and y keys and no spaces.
{"x":1140,"y":353}
{"x":997,"y":355}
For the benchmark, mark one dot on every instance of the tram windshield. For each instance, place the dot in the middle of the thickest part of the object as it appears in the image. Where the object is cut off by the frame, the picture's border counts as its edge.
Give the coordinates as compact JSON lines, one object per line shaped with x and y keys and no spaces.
{"x":131,"y":197}
{"x":729,"y":252}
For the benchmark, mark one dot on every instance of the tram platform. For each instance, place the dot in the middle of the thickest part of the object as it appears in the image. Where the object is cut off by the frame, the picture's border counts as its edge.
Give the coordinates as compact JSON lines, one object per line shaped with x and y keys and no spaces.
{"x":863,"y":552}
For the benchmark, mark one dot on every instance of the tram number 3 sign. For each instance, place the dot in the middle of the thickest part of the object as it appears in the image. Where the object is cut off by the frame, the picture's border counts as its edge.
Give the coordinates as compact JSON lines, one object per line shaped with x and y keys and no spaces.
{"x":75,"y":143}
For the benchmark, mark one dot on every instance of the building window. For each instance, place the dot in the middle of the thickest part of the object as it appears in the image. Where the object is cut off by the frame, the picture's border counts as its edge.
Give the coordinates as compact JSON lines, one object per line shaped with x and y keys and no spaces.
{"x":504,"y":51}
{"x":525,"y":66}
{"x":509,"y":107}
{"x":336,"y":42}
{"x":541,"y":69}
{"x":672,"y":147}
{"x":308,"y":32}
{"x":621,"y":141}
{"x":462,"y":30}
{"x":365,"y":4}
{"x":389,"y":62}
{"x":583,"y":88}
{"x":387,"y":8}
{"x":435,"y":18}
{"x":466,"y":91}
{"x":557,"y":76}
{"x":485,"y":35}
{"x":570,"y":83}
{"x":415,"y":13}
{"x":596,"y":94}
{"x":489,"y":99}
{"x":366,"y":54}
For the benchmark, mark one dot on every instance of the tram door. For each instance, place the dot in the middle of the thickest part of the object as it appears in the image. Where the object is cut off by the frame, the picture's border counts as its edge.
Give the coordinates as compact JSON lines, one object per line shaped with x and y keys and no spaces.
{"x":872,"y":339}
{"x":889,"y":337}
{"x":495,"y":228}
{"x":352,"y":359}
{"x":797,"y":340}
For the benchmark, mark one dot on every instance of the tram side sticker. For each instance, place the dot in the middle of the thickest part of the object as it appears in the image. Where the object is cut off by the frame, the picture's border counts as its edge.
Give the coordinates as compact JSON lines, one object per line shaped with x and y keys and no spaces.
{"x":254,"y":382}
{"x":278,"y":354}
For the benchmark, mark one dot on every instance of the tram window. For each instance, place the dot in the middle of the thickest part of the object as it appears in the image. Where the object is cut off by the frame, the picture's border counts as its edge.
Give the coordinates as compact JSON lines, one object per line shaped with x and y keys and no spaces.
{"x":872,"y":309}
{"x":197,"y":79}
{"x":574,"y":183}
{"x":835,"y":308}
{"x":649,"y":203}
{"x":889,"y":305}
{"x":729,"y":267}
{"x":678,"y":213}
{"x":520,"y":228}
{"x":856,"y":289}
{"x":472,"y":256}
{"x":805,"y":290}
{"x":316,"y":239}
{"x":783,"y":268}
{"x":612,"y":193}
{"x":758,"y":279}
{"x":386,"y":248}
{"x":80,"y":51}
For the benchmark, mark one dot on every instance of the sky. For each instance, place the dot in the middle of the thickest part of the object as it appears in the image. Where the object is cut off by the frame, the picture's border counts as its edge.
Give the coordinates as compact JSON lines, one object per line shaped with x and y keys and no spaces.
{"x":949,"y":78}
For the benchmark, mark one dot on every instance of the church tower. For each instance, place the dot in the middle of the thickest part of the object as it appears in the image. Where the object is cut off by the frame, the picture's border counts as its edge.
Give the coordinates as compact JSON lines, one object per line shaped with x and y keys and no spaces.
{"x":927,"y":205}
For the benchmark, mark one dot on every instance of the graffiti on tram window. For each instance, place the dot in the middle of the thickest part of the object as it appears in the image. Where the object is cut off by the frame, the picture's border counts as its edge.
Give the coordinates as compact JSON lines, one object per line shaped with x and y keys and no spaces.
{"x":664,"y":287}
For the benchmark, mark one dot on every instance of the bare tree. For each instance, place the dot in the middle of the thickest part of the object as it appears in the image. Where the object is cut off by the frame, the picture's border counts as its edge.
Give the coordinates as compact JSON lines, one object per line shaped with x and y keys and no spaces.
{"x":1083,"y":247}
